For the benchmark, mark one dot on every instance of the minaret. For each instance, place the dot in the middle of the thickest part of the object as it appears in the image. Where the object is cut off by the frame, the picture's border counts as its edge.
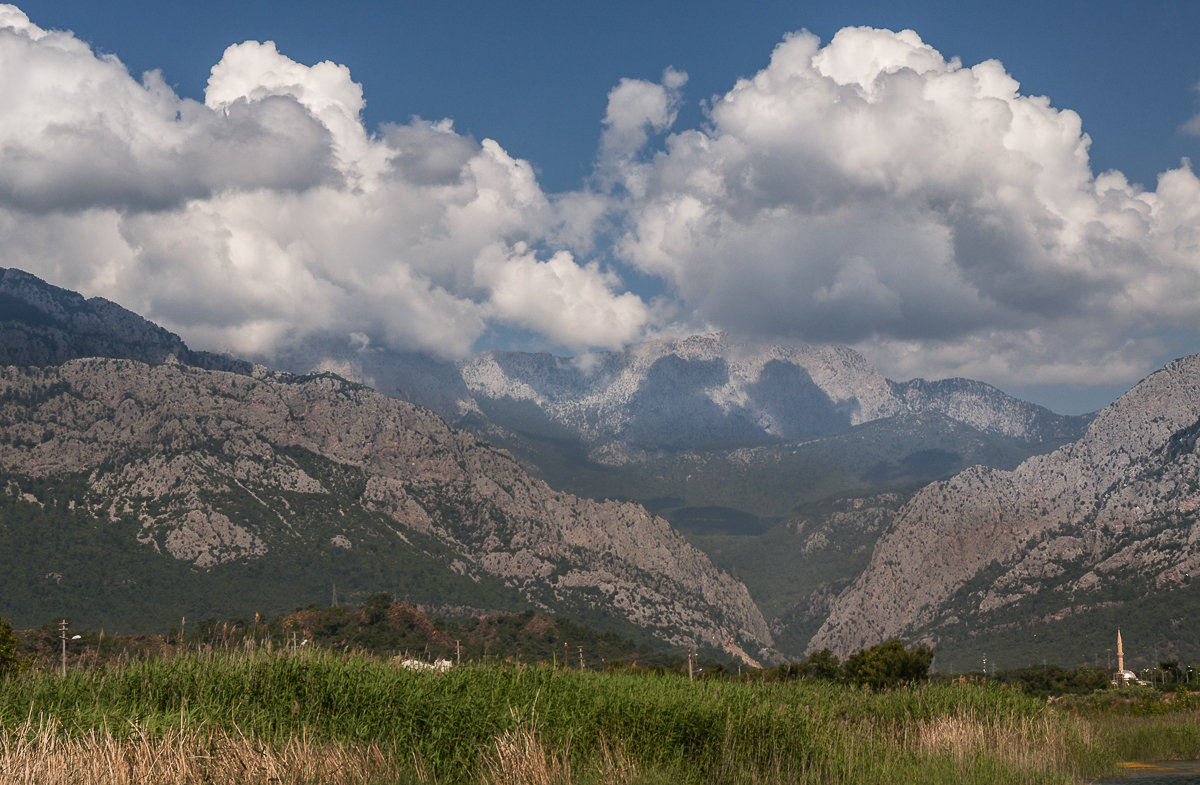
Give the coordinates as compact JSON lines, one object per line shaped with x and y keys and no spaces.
{"x":1120,"y":653}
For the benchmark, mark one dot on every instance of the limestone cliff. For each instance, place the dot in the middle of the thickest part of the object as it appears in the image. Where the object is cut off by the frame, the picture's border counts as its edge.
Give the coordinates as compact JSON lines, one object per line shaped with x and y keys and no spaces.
{"x":219,"y":468}
{"x":1116,"y":508}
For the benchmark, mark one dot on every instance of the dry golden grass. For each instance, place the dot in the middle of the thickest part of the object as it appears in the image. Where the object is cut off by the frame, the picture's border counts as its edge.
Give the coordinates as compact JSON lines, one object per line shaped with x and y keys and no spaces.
{"x":39,"y":753}
{"x":520,"y":756}
{"x":1032,"y":744}
{"x":615,"y":765}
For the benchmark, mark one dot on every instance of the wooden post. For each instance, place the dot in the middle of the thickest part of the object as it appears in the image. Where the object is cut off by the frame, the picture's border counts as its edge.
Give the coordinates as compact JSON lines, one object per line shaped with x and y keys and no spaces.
{"x":691,"y":673}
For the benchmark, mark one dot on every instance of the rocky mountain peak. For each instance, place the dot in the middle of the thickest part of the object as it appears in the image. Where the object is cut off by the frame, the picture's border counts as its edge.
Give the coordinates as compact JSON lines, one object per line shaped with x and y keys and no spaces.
{"x":217,"y":469}
{"x":707,"y":391}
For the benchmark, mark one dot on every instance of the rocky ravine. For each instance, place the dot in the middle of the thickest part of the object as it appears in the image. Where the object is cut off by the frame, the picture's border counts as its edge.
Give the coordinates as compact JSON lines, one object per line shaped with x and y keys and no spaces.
{"x":168,"y":443}
{"x":1118,"y":505}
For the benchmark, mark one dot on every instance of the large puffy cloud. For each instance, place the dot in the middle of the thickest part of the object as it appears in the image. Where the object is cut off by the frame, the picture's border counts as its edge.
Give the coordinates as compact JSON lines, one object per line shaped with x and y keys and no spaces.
{"x":268,"y":216}
{"x":865,"y":191}
{"x":76,"y":132}
{"x":566,"y":300}
{"x":870,"y":191}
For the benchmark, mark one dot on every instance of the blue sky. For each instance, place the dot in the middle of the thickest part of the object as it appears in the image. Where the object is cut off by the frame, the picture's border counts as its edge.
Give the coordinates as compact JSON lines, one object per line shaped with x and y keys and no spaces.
{"x":534,"y":75}
{"x":554,"y":225}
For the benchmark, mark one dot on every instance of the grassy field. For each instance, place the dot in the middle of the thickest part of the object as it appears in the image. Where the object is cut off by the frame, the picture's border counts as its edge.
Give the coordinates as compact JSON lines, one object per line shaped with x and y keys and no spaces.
{"x":314,"y":717}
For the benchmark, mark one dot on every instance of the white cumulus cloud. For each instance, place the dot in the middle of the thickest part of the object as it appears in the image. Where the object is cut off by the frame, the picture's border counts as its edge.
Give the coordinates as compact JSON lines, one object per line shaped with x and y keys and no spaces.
{"x":268,"y":216}
{"x":867,"y":190}
{"x":634,"y":106}
{"x":872,"y":192}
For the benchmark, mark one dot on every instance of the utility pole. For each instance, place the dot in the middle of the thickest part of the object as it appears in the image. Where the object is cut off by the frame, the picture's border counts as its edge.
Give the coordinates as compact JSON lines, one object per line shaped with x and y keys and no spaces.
{"x":691,"y":673}
{"x":62,"y":633}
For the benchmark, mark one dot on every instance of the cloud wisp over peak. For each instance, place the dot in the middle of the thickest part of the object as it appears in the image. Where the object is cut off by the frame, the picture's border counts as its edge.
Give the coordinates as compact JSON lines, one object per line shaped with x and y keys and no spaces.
{"x":867,"y":191}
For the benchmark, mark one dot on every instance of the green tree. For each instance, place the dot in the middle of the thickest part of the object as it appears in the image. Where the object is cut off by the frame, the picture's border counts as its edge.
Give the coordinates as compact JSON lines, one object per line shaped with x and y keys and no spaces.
{"x":377,"y":607}
{"x":888,"y":665}
{"x":1170,"y":671}
{"x":821,"y":664}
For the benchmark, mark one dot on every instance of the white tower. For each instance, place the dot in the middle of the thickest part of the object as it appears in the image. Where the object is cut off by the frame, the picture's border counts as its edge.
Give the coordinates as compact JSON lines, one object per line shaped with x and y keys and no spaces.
{"x":1122,"y":676}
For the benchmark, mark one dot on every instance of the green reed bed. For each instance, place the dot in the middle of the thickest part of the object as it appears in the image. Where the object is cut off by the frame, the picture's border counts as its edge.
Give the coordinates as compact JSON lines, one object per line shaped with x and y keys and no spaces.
{"x":454,"y":727}
{"x":1140,"y":737}
{"x":1142,"y":723}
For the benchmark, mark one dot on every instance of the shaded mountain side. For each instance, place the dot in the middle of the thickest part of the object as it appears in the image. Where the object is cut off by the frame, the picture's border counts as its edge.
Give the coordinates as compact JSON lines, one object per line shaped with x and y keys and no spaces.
{"x":245,"y":475}
{"x":768,"y":484}
{"x":41,"y":324}
{"x":61,"y":559}
{"x":1068,"y":626}
{"x":1110,"y":518}
{"x":795,"y":569}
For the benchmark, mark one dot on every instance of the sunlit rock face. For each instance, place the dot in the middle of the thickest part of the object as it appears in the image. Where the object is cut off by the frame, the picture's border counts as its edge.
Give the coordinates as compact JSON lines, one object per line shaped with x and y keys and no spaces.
{"x":1116,"y":508}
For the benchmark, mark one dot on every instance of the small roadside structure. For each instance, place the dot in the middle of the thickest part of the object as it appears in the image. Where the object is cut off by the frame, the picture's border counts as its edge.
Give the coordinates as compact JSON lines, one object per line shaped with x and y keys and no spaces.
{"x":437,"y":666}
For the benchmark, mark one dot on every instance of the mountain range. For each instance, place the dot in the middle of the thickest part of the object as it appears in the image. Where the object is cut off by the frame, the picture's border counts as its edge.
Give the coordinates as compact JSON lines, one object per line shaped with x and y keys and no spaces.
{"x":695,"y":393}
{"x":211,"y":476}
{"x":823,"y":505}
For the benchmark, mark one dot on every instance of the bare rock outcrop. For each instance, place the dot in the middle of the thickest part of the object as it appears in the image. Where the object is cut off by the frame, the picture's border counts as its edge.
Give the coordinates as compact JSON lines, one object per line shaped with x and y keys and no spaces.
{"x":1119,"y":502}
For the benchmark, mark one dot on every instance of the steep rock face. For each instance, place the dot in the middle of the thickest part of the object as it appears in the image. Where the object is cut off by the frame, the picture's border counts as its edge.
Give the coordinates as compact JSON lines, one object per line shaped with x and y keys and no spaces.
{"x":1117,"y":505}
{"x":41,"y":324}
{"x":215,"y":465}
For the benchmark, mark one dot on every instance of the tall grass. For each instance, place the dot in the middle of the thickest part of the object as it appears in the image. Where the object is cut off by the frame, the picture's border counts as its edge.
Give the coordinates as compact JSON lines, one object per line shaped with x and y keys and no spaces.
{"x":476,"y":724}
{"x":1149,"y":737}
{"x":40,"y":753}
